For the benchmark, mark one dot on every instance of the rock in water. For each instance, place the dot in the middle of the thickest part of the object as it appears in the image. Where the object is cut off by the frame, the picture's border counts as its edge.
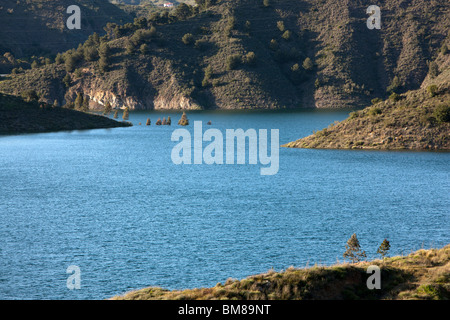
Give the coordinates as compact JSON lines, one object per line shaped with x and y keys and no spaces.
{"x":184,"y":120}
{"x":148,"y":122}
{"x":158,"y":123}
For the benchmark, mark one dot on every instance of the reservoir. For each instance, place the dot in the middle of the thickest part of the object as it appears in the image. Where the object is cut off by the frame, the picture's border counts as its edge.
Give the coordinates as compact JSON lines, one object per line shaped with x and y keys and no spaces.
{"x":112,"y":202}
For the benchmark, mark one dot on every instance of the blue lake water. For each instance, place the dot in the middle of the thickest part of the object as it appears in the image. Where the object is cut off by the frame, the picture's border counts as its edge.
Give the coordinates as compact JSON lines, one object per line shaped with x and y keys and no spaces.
{"x":113,"y":203}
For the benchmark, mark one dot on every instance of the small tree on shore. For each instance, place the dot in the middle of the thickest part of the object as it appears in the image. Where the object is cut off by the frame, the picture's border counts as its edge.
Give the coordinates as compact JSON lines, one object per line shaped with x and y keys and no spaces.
{"x":384,"y":248}
{"x":108,"y":108}
{"x":184,"y":120}
{"x":79,"y":101}
{"x":126,"y":114}
{"x":116,"y":114}
{"x":353,"y":251}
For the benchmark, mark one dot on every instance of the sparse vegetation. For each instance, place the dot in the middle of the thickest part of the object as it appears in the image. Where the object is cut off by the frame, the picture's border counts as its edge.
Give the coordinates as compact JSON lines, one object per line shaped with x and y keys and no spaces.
{"x":383,"y":249}
{"x":353,"y":250}
{"x":421,"y":275}
{"x":33,"y":117}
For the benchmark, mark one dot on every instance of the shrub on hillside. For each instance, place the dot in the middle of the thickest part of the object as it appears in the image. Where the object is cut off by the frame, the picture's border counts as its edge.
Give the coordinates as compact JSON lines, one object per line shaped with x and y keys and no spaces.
{"x":374,"y":111}
{"x":394,"y":97}
{"x":250,"y":58}
{"x":433,"y":69}
{"x":432,"y":90}
{"x":287,"y":35}
{"x":233,"y":61}
{"x":376,"y":100}
{"x":188,"y":39}
{"x":442,"y":113}
{"x":308,"y":65}
{"x":394,"y":86}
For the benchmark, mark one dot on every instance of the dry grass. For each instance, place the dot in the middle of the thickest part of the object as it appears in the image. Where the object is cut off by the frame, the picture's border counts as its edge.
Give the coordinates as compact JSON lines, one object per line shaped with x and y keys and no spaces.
{"x":421,"y":275}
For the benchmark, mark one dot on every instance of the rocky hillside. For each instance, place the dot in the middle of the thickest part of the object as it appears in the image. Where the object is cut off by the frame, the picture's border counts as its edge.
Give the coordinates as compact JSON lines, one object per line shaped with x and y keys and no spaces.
{"x":418,"y":119}
{"x":422,"y":275}
{"x":245,"y":54}
{"x":38,"y":27}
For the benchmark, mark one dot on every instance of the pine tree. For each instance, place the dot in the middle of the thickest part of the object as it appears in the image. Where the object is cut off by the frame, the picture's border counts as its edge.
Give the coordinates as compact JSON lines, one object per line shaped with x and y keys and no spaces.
{"x":126,"y":114}
{"x":169,"y":121}
{"x":184,"y":120}
{"x":384,"y":248}
{"x":79,"y":101}
{"x":116,"y":114}
{"x":67,"y":80}
{"x":353,"y":251}
{"x":108,"y":108}
{"x":85,"y":105}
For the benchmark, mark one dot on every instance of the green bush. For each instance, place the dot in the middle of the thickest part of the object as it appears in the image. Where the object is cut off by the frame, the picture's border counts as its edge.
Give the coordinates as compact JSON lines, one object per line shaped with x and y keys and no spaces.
{"x":250,"y":58}
{"x":308,"y":65}
{"x":374,"y":111}
{"x":233,"y":61}
{"x":442,"y":113}
{"x":30,"y":95}
{"x":90,"y":54}
{"x":376,"y":100}
{"x":433,"y":69}
{"x":287,"y":35}
{"x":188,"y":39}
{"x":394,"y":86}
{"x":280,"y":26}
{"x":432,"y":90}
{"x":183,"y":11}
{"x":144,"y":49}
{"x":395,"y":97}
{"x":353,"y":115}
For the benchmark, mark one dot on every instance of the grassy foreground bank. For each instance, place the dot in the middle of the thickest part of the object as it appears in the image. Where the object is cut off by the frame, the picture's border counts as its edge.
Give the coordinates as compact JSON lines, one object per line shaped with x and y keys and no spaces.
{"x":422,"y":275}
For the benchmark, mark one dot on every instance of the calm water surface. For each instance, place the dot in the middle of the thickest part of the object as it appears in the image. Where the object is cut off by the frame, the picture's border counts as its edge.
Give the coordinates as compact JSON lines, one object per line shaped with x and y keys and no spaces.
{"x":113,"y":203}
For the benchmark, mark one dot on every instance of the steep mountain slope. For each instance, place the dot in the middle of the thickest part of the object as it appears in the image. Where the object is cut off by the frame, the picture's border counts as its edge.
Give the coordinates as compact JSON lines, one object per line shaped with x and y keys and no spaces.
{"x":418,"y":119}
{"x":243,"y":54}
{"x":30,"y":27}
